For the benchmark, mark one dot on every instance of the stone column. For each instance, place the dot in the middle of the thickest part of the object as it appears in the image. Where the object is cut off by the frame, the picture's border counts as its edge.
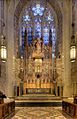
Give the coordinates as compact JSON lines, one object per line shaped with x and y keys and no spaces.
{"x":10,"y":47}
{"x":67,"y":88}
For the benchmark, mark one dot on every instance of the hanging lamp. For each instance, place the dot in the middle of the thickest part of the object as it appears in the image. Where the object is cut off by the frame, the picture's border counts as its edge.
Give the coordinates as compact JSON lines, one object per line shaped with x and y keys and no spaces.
{"x":3,"y":50}
{"x":73,"y":46}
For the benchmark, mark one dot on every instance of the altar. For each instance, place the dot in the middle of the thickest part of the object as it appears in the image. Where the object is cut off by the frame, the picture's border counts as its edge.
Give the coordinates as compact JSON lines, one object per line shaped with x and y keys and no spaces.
{"x":38,"y":91}
{"x":37,"y":68}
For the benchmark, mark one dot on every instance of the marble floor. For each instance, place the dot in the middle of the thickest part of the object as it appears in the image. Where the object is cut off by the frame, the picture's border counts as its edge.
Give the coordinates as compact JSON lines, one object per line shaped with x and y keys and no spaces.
{"x":39,"y":113}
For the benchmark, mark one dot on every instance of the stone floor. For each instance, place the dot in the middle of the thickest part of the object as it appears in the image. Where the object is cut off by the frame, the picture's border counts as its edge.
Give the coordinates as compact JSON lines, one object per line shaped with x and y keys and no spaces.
{"x":40,"y":113}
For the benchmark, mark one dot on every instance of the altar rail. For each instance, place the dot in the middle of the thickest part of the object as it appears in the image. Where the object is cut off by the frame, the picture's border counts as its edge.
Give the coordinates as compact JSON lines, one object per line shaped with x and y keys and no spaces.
{"x":70,"y":109}
{"x":7,"y":109}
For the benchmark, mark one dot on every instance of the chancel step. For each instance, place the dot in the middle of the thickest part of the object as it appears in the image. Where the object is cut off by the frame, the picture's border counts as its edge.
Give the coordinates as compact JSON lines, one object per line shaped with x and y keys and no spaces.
{"x":36,"y":100}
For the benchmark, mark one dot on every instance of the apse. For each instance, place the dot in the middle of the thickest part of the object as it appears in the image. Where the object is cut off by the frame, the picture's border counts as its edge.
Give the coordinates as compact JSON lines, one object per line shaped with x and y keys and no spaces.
{"x":37,"y":36}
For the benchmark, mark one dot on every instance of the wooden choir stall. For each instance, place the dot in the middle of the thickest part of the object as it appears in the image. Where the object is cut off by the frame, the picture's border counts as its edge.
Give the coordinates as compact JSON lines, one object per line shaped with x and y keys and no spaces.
{"x":70,"y":108}
{"x":7,"y":106}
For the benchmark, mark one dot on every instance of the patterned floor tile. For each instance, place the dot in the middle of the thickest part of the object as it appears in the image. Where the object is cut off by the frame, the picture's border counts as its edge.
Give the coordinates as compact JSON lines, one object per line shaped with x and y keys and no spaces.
{"x":38,"y":113}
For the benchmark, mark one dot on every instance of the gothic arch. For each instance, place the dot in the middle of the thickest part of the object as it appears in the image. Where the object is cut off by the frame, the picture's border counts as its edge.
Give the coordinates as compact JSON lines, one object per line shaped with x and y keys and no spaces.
{"x":57,"y":10}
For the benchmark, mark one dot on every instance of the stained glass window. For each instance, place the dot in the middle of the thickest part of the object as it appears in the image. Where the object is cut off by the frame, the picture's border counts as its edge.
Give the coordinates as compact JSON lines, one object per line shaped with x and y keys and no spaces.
{"x":38,"y":30}
{"x":53,"y":38}
{"x":23,"y":31}
{"x":49,"y":18}
{"x":38,"y":19}
{"x":38,"y":10}
{"x":26,"y":18}
{"x":30,"y":37}
{"x":46,"y":35}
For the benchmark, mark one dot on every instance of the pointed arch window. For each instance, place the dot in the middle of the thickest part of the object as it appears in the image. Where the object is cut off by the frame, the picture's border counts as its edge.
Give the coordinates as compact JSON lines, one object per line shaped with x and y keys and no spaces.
{"x":38,"y":20}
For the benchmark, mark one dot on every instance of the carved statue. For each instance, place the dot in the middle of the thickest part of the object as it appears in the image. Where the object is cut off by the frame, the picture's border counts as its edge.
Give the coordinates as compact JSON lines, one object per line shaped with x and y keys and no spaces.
{"x":39,"y":45}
